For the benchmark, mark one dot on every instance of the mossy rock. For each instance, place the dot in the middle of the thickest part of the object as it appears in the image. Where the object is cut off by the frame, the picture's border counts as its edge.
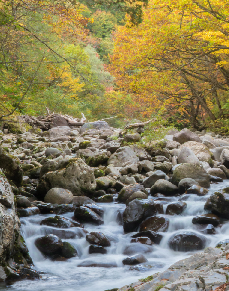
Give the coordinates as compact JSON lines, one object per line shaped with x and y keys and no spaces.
{"x":99,"y":173}
{"x":14,"y":128}
{"x":84,"y":144}
{"x":68,"y":251}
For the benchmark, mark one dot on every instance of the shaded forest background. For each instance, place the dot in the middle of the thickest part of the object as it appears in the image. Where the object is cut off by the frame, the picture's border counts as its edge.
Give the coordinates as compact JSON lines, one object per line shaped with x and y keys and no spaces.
{"x":129,"y":59}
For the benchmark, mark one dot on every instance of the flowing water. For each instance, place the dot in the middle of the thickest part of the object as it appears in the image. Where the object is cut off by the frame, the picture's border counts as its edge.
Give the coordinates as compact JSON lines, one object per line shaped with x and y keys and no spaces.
{"x":68,"y":276}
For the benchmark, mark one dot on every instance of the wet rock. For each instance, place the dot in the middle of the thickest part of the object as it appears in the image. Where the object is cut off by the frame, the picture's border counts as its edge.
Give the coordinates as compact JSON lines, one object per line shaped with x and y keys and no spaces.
{"x":155,"y":223}
{"x":134,"y":260}
{"x":151,"y":180}
{"x":105,"y":198}
{"x":96,"y":208}
{"x":218,"y":203}
{"x":224,"y":158}
{"x":136,"y":248}
{"x":89,"y":263}
{"x":142,"y":240}
{"x":98,"y":238}
{"x":82,"y":200}
{"x":206,"y":219}
{"x":123,"y":156}
{"x":136,"y":212}
{"x":186,"y":155}
{"x":85,"y":214}
{"x":127,"y":180}
{"x":68,"y":251}
{"x":164,"y":187}
{"x":94,"y":249}
{"x":28,"y":211}
{"x":176,"y":208}
{"x":217,"y":172}
{"x":222,"y":243}
{"x":49,"y":245}
{"x":195,"y":189}
{"x":59,"y":196}
{"x":63,"y":233}
{"x":186,"y":183}
{"x":225,"y":170}
{"x":60,"y":222}
{"x":76,"y":177}
{"x":46,"y":208}
{"x":187,"y":241}
{"x":186,"y":135}
{"x":215,"y":179}
{"x":23,"y":201}
{"x":194,"y":171}
{"x":153,"y":236}
{"x":104,"y":182}
{"x":136,"y":195}
{"x":127,"y":191}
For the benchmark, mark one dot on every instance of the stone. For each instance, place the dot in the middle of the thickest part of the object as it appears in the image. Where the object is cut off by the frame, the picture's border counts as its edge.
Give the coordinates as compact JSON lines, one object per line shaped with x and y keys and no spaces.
{"x":60,"y":222}
{"x":142,"y":240}
{"x":200,"y":150}
{"x":196,"y":189}
{"x":217,"y":152}
{"x":145,"y":166}
{"x":103,"y":183}
{"x":52,"y":152}
{"x":59,"y":131}
{"x":186,"y":135}
{"x":85,"y":214}
{"x":68,"y":251}
{"x":76,"y":177}
{"x":49,"y":245}
{"x":186,"y":155}
{"x":216,"y":172}
{"x":136,"y":195}
{"x":98,"y":238}
{"x":132,"y":137}
{"x":23,"y":201}
{"x":224,"y":158}
{"x":157,"y":175}
{"x":89,"y":263}
{"x":186,"y":241}
{"x":58,"y":120}
{"x":94,"y":249}
{"x":127,"y":180}
{"x":155,"y":223}
{"x":59,"y":196}
{"x":129,"y":169}
{"x":164,"y":167}
{"x":107,"y":198}
{"x":186,"y":183}
{"x":25,"y":212}
{"x":123,"y":156}
{"x":176,"y":208}
{"x":218,"y":203}
{"x":11,"y":168}
{"x":152,"y":235}
{"x":82,"y":200}
{"x":164,"y":187}
{"x":136,"y":212}
{"x":134,"y":260}
{"x":127,"y":191}
{"x":136,"y":248}
{"x":194,"y":171}
{"x":206,"y":219}
{"x":94,"y":125}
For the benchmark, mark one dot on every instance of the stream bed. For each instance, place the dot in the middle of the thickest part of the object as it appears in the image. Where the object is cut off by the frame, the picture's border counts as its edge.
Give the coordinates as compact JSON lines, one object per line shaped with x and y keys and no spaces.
{"x":69,"y":276}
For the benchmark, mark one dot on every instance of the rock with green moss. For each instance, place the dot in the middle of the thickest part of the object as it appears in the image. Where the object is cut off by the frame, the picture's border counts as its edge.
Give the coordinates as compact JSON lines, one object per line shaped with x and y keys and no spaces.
{"x":194,"y":171}
{"x":99,"y":173}
{"x":94,"y":158}
{"x":68,"y":251}
{"x":11,"y":168}
{"x":105,"y":198}
{"x":84,"y":144}
{"x":218,"y":203}
{"x":59,"y":196}
{"x":77,"y":177}
{"x":123,"y":156}
{"x":127,"y":191}
{"x":106,"y":182}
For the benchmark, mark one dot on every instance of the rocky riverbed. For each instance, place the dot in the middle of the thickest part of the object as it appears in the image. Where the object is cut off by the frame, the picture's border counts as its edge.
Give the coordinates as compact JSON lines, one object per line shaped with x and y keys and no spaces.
{"x":98,"y":210}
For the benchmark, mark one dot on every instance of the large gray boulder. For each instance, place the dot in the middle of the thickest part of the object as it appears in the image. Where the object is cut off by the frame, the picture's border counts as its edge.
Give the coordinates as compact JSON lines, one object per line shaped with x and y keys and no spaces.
{"x":224,"y":158}
{"x":200,"y":150}
{"x":123,"y":156}
{"x":94,"y":125}
{"x":77,"y":177}
{"x":186,"y":155}
{"x":58,"y":196}
{"x":127,"y":191}
{"x":186,"y":135}
{"x":194,"y":171}
{"x":164,"y":187}
{"x":157,"y":175}
{"x":217,"y":152}
{"x":218,"y":203}
{"x":59,"y":131}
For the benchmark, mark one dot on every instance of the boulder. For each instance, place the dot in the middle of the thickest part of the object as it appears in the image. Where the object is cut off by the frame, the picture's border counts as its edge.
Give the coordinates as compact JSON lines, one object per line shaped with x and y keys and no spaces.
{"x":134,"y":260}
{"x":136,"y":248}
{"x":49,"y":245}
{"x":155,"y":223}
{"x":176,"y":208}
{"x":206,"y":219}
{"x":60,"y":222}
{"x":218,"y":151}
{"x":145,"y":166}
{"x":194,"y":171}
{"x":186,"y":155}
{"x":23,"y":201}
{"x":165,"y":166}
{"x":136,"y":212}
{"x":94,"y":249}
{"x":217,"y":172}
{"x":186,"y":135}
{"x":26,"y":212}
{"x":136,"y":195}
{"x":196,"y":189}
{"x":98,"y":238}
{"x":123,"y":156}
{"x":224,"y":158}
{"x":164,"y":187}
{"x":107,"y":198}
{"x":127,"y":191}
{"x":152,"y":235}
{"x":132,"y":137}
{"x":76,"y":177}
{"x":11,"y":168}
{"x":94,"y":157}
{"x":59,"y":131}
{"x":157,"y":175}
{"x":94,"y":125}
{"x":85,"y":214}
{"x":52,"y":152}
{"x":68,"y":251}
{"x":142,"y":240}
{"x":82,"y":200}
{"x":104,"y":182}
{"x":186,"y":183}
{"x":59,"y":196}
{"x":218,"y":203}
{"x":185,"y":241}
{"x":129,"y":169}
{"x":200,"y":150}
{"x":58,"y":120}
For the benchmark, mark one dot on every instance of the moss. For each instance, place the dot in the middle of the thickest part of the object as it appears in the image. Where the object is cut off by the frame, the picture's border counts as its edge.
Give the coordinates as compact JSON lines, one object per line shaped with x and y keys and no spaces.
{"x":159,"y":287}
{"x":99,"y":173}
{"x":147,"y":279}
{"x":226,"y":190}
{"x":84,"y":144}
{"x":6,"y":149}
